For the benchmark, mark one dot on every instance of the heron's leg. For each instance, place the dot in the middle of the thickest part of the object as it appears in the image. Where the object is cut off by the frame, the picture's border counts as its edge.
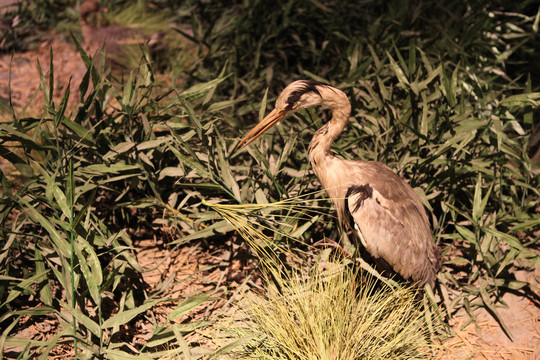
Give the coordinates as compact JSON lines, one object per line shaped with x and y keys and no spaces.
{"x":329,"y":242}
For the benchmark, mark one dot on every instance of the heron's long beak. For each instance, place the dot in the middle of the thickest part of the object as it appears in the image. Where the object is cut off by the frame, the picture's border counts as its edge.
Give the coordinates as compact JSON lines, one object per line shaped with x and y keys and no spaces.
{"x":270,"y":120}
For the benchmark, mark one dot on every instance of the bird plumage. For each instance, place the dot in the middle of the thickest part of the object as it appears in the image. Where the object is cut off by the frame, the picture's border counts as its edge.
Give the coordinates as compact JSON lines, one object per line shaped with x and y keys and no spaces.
{"x":369,"y":197}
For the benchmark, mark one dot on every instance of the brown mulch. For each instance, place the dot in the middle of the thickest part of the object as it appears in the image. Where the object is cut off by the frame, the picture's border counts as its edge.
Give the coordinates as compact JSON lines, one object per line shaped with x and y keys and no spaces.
{"x":487,"y":340}
{"x":492,"y":344}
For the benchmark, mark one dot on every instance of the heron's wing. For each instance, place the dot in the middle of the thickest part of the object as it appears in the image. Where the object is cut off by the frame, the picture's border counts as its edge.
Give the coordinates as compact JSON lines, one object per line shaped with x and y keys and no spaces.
{"x":394,"y":227}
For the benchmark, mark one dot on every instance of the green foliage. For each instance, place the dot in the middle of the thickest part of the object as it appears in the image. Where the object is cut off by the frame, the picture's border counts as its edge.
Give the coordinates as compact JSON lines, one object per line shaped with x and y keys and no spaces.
{"x":81,"y":185}
{"x":442,"y":96}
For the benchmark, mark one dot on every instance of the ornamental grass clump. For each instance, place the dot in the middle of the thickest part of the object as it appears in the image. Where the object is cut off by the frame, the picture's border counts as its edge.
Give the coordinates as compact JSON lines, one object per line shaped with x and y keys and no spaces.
{"x":336,"y":312}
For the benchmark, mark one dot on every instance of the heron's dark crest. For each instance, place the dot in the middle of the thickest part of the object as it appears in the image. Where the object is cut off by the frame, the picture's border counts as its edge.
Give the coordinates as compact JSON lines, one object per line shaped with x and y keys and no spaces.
{"x":307,"y":87}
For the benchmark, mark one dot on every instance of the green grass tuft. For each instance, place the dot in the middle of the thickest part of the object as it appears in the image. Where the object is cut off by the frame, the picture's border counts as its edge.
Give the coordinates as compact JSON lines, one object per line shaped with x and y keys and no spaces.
{"x":334,"y":312}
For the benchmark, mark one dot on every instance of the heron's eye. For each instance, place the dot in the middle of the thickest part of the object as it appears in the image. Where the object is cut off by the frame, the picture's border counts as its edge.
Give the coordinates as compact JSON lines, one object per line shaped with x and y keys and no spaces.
{"x":292,"y":100}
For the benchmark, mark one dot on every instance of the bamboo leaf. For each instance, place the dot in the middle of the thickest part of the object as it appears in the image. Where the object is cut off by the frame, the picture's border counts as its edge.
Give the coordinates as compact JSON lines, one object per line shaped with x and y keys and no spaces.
{"x":402,"y":78}
{"x":509,"y":239}
{"x":125,"y":316}
{"x":183,"y":344}
{"x":467,"y":234}
{"x":152,"y":144}
{"x":186,"y":306}
{"x":220,"y":227}
{"x":122,"y":355}
{"x":60,"y":242}
{"x":487,"y":301}
{"x":82,"y":319}
{"x":532,"y":99}
{"x":90,"y":267}
{"x":45,"y":293}
{"x":5,"y":333}
{"x":201,"y":89}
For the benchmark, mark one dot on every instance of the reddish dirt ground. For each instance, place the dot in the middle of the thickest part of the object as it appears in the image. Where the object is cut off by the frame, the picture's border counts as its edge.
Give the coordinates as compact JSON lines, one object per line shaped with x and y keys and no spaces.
{"x":23,"y":72}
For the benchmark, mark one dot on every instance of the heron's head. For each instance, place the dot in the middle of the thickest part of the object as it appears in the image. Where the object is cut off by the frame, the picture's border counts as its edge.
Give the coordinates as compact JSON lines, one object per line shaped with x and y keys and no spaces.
{"x":298,"y":95}
{"x":301,"y":94}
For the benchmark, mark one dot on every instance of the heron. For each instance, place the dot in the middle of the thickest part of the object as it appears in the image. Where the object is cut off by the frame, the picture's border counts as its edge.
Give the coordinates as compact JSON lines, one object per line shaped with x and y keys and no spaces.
{"x":370,"y":198}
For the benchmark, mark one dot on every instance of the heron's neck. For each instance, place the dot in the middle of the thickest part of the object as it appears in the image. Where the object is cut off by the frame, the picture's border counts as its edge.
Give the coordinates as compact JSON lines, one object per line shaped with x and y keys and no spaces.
{"x":319,"y":147}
